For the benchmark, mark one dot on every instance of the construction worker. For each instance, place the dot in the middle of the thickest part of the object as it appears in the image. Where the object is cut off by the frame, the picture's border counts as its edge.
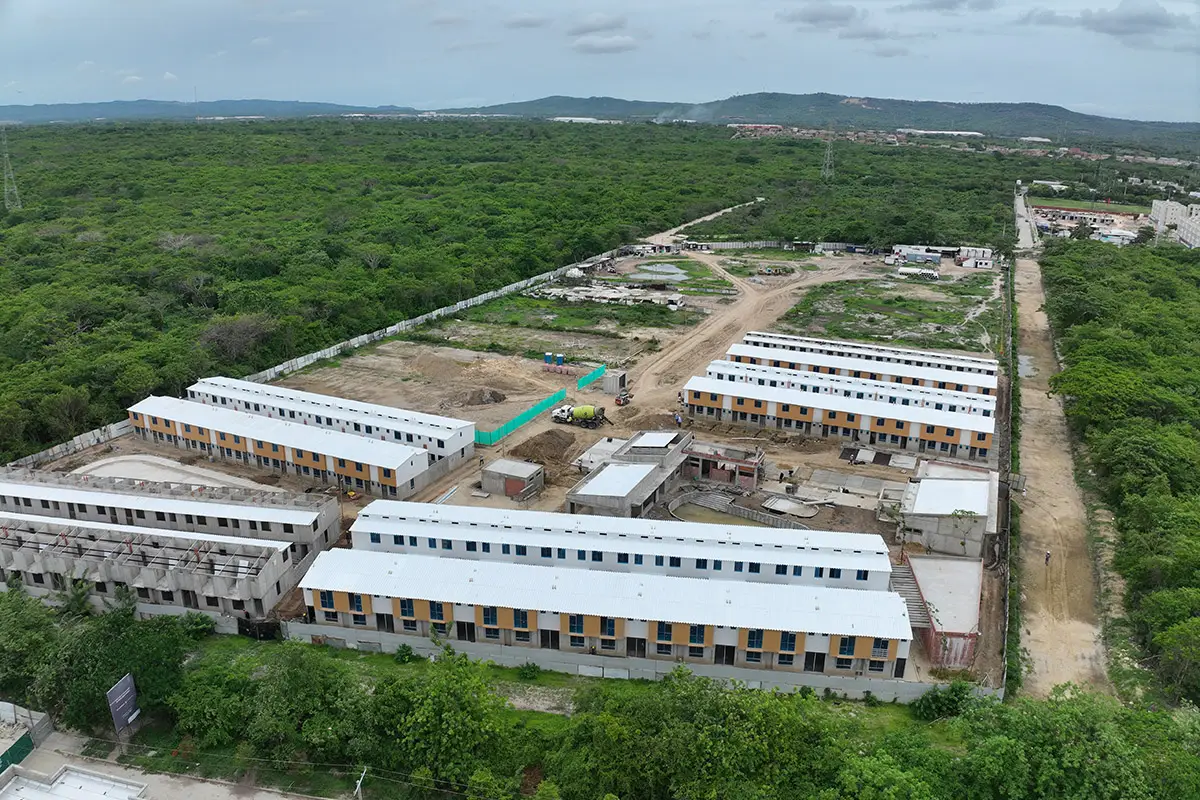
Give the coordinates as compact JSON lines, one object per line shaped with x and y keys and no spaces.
{"x":1047,"y":558}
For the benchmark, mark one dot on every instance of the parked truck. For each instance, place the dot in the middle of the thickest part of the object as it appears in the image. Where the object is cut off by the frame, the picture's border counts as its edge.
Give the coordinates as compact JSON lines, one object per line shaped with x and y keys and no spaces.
{"x":584,"y":416}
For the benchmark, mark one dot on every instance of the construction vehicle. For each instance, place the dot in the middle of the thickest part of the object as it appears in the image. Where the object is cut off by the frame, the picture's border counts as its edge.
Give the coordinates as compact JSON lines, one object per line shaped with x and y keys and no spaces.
{"x":624,"y":398}
{"x":583,"y":416}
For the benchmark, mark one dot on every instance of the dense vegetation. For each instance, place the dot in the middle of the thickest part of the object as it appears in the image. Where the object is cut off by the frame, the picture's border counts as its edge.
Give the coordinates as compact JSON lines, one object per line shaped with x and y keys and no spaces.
{"x":310,"y":718}
{"x":1128,"y":324}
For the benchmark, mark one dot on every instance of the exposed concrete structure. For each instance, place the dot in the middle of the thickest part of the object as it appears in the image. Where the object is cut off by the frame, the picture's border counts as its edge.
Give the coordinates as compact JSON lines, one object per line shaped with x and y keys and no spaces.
{"x":639,"y":475}
{"x":68,"y":783}
{"x":598,"y":454}
{"x":951,"y":509}
{"x":951,"y":589}
{"x":723,"y":464}
{"x":516,"y":479}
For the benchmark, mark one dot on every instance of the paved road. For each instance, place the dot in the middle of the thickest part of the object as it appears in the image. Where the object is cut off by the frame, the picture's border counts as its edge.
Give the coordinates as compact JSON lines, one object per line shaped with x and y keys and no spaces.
{"x":1025,"y":224}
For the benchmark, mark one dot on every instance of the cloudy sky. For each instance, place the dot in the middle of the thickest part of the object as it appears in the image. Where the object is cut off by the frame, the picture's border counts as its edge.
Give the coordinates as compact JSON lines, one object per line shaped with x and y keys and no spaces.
{"x":1128,"y":58}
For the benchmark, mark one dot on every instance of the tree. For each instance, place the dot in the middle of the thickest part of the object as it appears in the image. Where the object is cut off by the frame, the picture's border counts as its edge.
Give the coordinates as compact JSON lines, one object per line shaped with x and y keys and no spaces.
{"x":27,"y":637}
{"x":878,"y":777}
{"x":1082,"y":231}
{"x":1179,"y":657}
{"x":483,"y":785}
{"x":547,"y":790}
{"x":1146,"y":233}
{"x":76,"y":600}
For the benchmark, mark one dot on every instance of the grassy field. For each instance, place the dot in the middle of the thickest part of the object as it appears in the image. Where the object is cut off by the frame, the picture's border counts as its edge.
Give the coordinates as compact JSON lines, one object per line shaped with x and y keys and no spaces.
{"x":948,"y":314}
{"x":1087,"y":205}
{"x":555,"y":315}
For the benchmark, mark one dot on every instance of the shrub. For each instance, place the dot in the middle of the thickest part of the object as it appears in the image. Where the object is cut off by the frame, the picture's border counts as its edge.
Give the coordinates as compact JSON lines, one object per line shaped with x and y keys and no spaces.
{"x":939,"y":703}
{"x":406,"y":655}
{"x":529,"y":671}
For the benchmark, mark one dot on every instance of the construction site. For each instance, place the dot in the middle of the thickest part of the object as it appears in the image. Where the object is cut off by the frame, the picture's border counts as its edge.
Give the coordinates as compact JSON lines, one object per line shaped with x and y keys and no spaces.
{"x":593,"y":417}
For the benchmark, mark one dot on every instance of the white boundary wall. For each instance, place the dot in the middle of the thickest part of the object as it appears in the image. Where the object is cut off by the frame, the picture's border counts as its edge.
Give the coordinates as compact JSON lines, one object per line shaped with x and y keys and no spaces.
{"x":39,"y":724}
{"x":885,"y":689}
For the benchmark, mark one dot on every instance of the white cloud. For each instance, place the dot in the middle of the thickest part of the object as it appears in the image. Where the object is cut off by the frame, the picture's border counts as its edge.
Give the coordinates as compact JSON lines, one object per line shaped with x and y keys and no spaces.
{"x":170,"y":76}
{"x":131,"y":79}
{"x":603,"y":44}
{"x":822,"y":15}
{"x":126,"y":71}
{"x":597,"y":23}
{"x":84,"y":66}
{"x":261,"y":41}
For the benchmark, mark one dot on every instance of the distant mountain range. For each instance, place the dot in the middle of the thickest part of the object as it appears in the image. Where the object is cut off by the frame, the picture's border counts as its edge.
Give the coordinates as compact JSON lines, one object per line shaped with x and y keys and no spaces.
{"x":808,"y":110}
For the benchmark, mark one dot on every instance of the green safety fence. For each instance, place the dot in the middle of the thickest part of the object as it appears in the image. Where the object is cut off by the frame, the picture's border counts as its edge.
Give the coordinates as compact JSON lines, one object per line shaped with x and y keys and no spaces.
{"x":594,"y":375}
{"x":491,"y":437}
{"x":16,"y":754}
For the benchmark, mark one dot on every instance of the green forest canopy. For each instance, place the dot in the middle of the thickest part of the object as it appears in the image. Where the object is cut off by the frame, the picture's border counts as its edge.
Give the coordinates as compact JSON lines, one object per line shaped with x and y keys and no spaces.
{"x":1128,"y":323}
{"x":150,"y":254}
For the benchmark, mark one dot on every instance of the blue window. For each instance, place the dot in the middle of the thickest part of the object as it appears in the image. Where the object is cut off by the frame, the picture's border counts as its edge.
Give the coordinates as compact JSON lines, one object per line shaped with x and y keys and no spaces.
{"x":356,"y":603}
{"x":818,"y":572}
{"x":398,"y":541}
{"x":472,"y":547}
{"x":326,"y":599}
{"x":676,"y":561}
{"x":754,"y":640}
{"x":520,"y":619}
{"x":547,"y":552}
{"x":637,"y":559}
{"x":299,"y":453}
{"x":701,"y":563}
{"x":581,"y":555}
{"x":860,"y":575}
{"x":436,"y":612}
{"x":781,"y":569}
{"x":375,"y":538}
{"x":341,"y":462}
{"x":664,"y":632}
{"x":787,"y":642}
{"x":717,"y":564}
{"x":608,"y":626}
{"x":487,"y":547}
{"x":835,"y":573}
{"x":846,"y":648}
{"x":797,"y":571}
{"x":622,"y":558}
{"x":737,"y":566}
{"x":521,"y":550}
{"x":237,"y":440}
{"x":406,"y":608}
{"x":575,"y":623}
{"x":696,"y":634}
{"x":412,"y":541}
{"x":597,"y":556}
{"x":387,"y":473}
{"x":562,"y":553}
{"x":658,"y":561}
{"x":220,"y":436}
{"x":447,"y":544}
{"x":506,"y":549}
{"x":490,"y":615}
{"x":432,"y":543}
{"x":755,"y":567}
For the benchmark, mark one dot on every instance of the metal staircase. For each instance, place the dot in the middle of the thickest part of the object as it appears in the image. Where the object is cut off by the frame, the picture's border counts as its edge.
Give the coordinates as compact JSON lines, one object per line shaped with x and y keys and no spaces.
{"x":905,"y":584}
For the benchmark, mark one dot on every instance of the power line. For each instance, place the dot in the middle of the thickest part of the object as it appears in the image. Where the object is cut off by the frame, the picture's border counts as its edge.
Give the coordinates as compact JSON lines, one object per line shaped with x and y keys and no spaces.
{"x":827,"y":167}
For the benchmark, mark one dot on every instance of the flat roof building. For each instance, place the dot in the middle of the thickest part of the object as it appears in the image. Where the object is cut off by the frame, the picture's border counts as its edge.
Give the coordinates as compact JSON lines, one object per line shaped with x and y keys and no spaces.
{"x":636,"y":477}
{"x":757,"y":626}
{"x":68,"y":783}
{"x":859,"y":388}
{"x":874,"y":352}
{"x":372,"y":466}
{"x":934,"y":378}
{"x":951,"y":510}
{"x":951,"y":590}
{"x":443,"y":437}
{"x":511,"y":478}
{"x":873,"y":422}
{"x":688,"y":549}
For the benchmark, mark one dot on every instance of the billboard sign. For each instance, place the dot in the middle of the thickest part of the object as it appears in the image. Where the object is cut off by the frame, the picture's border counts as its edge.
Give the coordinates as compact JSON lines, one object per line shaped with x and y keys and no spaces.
{"x":122,"y":702}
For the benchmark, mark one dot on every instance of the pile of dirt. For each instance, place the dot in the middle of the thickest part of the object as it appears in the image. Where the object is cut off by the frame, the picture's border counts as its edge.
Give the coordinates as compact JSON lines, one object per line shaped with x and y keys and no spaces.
{"x":547,"y":447}
{"x":651,"y":422}
{"x":484,"y":397}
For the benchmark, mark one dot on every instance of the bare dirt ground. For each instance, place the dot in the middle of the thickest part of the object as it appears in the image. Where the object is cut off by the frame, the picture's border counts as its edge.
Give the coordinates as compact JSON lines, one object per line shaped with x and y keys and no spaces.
{"x":1061,"y":634}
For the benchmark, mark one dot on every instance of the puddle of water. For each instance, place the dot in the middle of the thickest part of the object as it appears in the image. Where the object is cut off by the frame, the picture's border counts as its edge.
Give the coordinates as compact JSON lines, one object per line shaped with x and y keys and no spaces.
{"x":659,"y":272}
{"x":694,"y":513}
{"x":1025,"y":367}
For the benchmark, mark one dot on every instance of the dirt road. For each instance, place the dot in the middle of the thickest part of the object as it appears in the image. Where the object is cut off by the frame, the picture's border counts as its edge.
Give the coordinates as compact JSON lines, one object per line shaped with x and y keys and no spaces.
{"x":668,"y":237}
{"x":658,"y":378}
{"x":1060,"y":630}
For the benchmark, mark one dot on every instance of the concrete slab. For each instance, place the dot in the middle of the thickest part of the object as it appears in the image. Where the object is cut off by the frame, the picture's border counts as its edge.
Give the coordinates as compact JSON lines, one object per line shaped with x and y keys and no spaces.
{"x":155,"y":468}
{"x":951,"y":588}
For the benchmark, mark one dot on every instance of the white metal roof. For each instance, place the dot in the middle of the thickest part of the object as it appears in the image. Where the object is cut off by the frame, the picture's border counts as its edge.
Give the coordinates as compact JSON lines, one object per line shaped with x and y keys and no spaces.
{"x":879,"y":349}
{"x":944,"y":496}
{"x":850,"y":383}
{"x":13,"y":520}
{"x":620,"y":527}
{"x":335,"y":407}
{"x":72,"y":783}
{"x":624,"y":595}
{"x":305,"y":437}
{"x":834,"y":402}
{"x":950,"y":376}
{"x":653,"y":439}
{"x":730,"y":550}
{"x":951,"y":588}
{"x":599,"y":452}
{"x":614,"y":480}
{"x":331,"y":402}
{"x":153,"y":503}
{"x":510,"y":466}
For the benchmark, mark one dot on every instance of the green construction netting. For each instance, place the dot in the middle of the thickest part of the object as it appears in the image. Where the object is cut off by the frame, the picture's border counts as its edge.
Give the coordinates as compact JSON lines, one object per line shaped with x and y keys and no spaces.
{"x":491,"y":437}
{"x":594,"y":375}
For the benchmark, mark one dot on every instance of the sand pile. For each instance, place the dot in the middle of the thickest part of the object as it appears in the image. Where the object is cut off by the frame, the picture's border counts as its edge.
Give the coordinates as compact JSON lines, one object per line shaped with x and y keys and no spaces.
{"x":547,"y":447}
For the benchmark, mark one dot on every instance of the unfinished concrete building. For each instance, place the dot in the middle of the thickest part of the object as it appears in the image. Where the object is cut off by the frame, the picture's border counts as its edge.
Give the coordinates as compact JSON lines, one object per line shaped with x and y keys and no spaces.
{"x":516,"y":479}
{"x":642,"y":473}
{"x":951,"y":509}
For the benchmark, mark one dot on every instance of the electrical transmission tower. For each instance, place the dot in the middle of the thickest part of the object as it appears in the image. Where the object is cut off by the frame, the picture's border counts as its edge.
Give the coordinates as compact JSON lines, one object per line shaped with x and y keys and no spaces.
{"x":827,"y":167}
{"x":12,"y":200}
